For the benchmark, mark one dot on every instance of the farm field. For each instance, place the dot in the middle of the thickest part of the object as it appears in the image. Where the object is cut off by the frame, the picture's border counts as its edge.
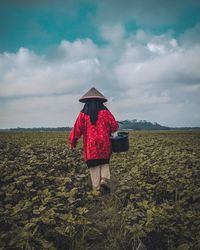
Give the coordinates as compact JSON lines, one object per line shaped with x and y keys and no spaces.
{"x":46,"y":200}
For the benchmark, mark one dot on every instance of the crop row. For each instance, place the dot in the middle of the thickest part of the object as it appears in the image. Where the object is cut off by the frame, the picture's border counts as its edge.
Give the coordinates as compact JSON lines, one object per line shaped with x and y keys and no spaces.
{"x":43,"y":192}
{"x":160,"y":190}
{"x":46,"y":203}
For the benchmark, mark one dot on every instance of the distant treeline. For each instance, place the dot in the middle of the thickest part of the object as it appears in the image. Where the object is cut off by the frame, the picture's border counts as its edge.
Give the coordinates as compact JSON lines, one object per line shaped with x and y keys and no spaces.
{"x":126,"y":124}
{"x":42,"y":129}
{"x":145,"y":125}
{"x":141,"y":125}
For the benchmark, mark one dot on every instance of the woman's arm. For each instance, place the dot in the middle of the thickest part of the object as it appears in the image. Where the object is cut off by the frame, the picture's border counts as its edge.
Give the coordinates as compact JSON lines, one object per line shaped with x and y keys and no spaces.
{"x":112,"y":123}
{"x":76,"y":132}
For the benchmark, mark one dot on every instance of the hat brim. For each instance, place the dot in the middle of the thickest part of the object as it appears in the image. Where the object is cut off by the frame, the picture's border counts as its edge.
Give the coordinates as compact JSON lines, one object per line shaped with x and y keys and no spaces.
{"x":90,"y":98}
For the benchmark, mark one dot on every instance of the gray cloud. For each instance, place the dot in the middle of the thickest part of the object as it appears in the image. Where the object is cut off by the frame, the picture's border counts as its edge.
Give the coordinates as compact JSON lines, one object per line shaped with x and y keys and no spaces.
{"x":145,"y":12}
{"x":191,"y":36}
{"x":145,"y":76}
{"x":142,"y":12}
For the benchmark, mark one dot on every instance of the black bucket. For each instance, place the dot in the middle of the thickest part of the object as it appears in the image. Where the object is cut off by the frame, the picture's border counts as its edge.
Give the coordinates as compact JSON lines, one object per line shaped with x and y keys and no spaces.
{"x":120,"y":143}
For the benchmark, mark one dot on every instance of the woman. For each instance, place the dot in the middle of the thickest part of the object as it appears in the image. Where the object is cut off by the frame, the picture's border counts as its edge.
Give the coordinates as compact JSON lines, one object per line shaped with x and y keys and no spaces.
{"x":96,"y":123}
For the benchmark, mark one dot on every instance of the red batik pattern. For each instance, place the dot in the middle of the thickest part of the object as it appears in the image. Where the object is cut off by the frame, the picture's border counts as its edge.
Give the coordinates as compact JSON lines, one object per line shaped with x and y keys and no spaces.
{"x":96,"y":138}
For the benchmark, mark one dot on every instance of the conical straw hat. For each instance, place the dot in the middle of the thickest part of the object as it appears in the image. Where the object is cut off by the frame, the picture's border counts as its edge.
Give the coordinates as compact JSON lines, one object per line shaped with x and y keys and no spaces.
{"x":92,"y":94}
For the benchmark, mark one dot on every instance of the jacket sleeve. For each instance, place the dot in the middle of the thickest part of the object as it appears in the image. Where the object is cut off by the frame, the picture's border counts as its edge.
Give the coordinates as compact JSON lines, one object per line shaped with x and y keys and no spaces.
{"x":76,"y":132}
{"x":112,"y":123}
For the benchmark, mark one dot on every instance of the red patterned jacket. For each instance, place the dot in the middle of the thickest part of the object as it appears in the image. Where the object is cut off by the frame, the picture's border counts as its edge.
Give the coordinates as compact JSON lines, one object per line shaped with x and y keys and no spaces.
{"x":96,"y":138}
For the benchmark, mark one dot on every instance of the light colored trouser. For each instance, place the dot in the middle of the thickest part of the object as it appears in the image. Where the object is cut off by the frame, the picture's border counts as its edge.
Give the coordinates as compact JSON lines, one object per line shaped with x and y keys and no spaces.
{"x":98,"y":172}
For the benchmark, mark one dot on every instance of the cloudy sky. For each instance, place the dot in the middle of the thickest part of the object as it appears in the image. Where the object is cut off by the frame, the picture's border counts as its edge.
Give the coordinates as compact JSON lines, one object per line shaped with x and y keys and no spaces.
{"x":143,"y":55}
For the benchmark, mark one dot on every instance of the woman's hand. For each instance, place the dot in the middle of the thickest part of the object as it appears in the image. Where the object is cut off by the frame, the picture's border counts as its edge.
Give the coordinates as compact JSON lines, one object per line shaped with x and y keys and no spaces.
{"x":73,"y":144}
{"x":72,"y":147}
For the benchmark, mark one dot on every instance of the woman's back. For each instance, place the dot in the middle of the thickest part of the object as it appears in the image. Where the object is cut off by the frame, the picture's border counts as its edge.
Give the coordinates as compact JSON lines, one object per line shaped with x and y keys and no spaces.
{"x":96,"y":137}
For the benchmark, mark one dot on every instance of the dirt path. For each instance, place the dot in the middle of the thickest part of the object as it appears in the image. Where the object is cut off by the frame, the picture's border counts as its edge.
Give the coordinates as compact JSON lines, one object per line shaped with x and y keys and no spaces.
{"x":107,"y":228}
